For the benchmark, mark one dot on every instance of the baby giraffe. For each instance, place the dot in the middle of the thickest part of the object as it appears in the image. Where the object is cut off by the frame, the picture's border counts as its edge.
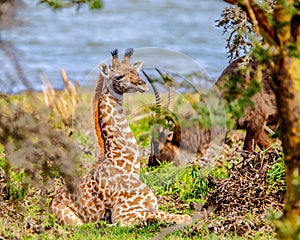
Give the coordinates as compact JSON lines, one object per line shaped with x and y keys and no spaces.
{"x":113,"y":191}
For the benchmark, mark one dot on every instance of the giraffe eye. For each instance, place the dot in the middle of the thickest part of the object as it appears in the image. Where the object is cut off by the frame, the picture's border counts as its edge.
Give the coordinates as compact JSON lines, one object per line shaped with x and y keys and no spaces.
{"x":119,"y":77}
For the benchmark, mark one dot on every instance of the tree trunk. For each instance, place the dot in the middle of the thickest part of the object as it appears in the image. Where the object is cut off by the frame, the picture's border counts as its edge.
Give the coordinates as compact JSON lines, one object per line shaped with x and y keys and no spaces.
{"x":286,"y":76}
{"x":283,"y":38}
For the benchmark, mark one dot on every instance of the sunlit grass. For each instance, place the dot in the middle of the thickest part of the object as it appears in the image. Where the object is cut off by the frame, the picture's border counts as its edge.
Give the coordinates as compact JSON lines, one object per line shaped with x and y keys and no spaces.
{"x":30,"y":218}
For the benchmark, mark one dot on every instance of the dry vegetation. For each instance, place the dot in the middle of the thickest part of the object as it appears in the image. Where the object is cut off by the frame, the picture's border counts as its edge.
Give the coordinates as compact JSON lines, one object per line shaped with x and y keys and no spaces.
{"x":238,"y":198}
{"x":248,"y":190}
{"x":38,"y":155}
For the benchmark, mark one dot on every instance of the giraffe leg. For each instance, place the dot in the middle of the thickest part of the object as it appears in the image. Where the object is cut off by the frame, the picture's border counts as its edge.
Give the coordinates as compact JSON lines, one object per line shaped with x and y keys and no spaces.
{"x":135,"y":215}
{"x":170,"y":217}
{"x":128,"y":215}
{"x":138,"y":208}
{"x":66,"y":215}
{"x":64,"y":209}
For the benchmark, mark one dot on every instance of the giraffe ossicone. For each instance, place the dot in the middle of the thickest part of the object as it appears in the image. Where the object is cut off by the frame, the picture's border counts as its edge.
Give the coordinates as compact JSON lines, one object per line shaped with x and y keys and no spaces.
{"x":112,"y":191}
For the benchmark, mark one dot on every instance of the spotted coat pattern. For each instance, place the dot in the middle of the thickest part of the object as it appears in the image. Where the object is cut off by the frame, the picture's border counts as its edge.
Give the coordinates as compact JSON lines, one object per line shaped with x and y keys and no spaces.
{"x":112,"y":191}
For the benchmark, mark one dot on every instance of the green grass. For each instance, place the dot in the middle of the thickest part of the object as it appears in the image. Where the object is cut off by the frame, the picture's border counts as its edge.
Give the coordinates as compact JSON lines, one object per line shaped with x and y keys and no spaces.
{"x":3,"y":163}
{"x":16,"y":186}
{"x":276,"y":176}
{"x":105,"y":232}
{"x":27,"y":215}
{"x":140,"y":130}
{"x":188,"y":182}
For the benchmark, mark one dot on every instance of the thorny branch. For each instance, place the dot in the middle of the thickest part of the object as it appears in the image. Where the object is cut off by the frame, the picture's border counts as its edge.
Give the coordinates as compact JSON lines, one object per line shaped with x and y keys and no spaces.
{"x":246,"y":19}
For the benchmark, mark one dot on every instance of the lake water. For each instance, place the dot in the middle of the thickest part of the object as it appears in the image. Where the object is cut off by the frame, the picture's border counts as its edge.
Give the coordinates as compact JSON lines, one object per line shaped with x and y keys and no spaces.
{"x":78,"y":41}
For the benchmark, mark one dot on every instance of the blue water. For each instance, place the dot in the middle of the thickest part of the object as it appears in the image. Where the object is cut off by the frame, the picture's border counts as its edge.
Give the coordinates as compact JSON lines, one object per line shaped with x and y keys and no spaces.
{"x":78,"y":41}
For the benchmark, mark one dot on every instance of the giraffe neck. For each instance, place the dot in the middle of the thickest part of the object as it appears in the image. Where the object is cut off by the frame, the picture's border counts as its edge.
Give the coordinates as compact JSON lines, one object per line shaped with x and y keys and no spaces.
{"x":117,"y":96}
{"x":120,"y":147}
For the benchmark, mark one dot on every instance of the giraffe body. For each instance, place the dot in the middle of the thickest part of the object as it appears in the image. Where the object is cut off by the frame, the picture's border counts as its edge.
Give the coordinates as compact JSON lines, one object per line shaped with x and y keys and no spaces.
{"x":112,"y":191}
{"x":112,"y":195}
{"x":108,"y":194}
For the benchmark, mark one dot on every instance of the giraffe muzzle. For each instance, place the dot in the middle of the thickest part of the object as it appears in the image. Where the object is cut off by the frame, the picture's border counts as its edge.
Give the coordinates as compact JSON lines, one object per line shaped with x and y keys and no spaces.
{"x":144,"y":88}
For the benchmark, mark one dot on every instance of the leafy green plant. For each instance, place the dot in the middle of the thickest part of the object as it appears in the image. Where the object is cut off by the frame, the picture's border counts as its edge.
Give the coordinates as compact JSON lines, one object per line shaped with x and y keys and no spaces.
{"x":191,"y":184}
{"x":276,"y":176}
{"x":159,"y":177}
{"x":188,"y":183}
{"x":16,"y":187}
{"x":221,"y":171}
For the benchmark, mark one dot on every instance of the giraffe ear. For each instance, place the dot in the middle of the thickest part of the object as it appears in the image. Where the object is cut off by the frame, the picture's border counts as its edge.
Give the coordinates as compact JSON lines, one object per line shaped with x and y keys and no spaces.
{"x":137,"y":66}
{"x":104,"y":70}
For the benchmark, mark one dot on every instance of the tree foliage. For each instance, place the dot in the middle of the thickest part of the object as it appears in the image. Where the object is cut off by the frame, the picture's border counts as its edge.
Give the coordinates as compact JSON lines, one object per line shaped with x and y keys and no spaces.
{"x":278,"y":31}
{"x":239,"y":29}
{"x":57,"y":4}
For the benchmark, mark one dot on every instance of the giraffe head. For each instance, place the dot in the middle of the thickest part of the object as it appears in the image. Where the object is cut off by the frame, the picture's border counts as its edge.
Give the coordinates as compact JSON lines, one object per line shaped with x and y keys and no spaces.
{"x":121,"y":76}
